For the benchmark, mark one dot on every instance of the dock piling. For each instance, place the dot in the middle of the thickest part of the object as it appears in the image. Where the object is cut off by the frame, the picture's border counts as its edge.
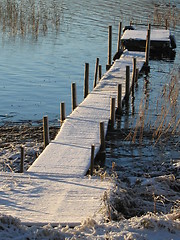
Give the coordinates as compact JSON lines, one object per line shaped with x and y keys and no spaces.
{"x":96,"y":72}
{"x":137,"y":76}
{"x":102,"y":137}
{"x":119,"y":100}
{"x":22,"y":160}
{"x":119,"y":37}
{"x":62,"y":113}
{"x":112,"y":112}
{"x":45,"y":131}
{"x":86,"y":80}
{"x":100,"y":72}
{"x":127,"y":83}
{"x":133,"y":75}
{"x":92,"y":159}
{"x":74,"y":96}
{"x":109,"y":48}
{"x":147,"y":53}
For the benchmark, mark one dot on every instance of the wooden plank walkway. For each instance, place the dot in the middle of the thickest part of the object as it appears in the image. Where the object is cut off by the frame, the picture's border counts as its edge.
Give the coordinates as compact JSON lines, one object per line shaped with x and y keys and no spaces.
{"x":55,"y":190}
{"x":39,"y":199}
{"x":70,"y":152}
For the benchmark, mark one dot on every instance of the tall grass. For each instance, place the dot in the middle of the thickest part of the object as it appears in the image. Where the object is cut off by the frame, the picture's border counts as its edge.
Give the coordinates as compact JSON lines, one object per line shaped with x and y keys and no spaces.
{"x":30,"y":16}
{"x":166,"y":12}
{"x":165,"y":121}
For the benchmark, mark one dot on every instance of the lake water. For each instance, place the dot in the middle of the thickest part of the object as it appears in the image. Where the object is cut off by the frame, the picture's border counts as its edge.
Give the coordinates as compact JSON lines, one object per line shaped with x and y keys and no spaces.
{"x":36,"y":72}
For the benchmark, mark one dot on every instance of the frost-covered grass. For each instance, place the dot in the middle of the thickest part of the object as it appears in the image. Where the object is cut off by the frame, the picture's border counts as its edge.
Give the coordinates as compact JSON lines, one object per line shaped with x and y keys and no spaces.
{"x":148,"y":226}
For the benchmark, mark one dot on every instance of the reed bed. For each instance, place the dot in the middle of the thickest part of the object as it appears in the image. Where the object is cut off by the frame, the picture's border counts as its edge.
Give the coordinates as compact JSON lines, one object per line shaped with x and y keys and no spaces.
{"x":166,"y":14}
{"x":164,"y":122}
{"x":22,"y":17}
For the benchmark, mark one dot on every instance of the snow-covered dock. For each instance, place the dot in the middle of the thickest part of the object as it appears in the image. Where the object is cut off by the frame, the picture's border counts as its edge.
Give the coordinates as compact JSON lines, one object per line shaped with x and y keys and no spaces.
{"x":160,"y":40}
{"x":55,"y":190}
{"x":70,"y":152}
{"x":39,"y":199}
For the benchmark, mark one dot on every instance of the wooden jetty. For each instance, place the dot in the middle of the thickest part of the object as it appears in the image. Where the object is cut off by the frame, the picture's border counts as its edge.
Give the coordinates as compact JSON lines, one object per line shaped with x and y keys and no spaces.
{"x":160,"y":40}
{"x":55,"y":189}
{"x":70,"y":151}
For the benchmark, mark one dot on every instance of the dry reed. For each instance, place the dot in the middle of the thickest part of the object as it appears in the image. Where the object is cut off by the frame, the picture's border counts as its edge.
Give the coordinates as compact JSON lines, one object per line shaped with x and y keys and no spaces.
{"x":30,"y":17}
{"x":166,"y":12}
{"x":167,"y":120}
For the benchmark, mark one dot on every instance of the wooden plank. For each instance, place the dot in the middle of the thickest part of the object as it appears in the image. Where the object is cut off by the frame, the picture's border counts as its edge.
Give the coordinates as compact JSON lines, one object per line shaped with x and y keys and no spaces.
{"x":39,"y":199}
{"x":156,"y":35}
{"x":70,"y":152}
{"x":135,"y":40}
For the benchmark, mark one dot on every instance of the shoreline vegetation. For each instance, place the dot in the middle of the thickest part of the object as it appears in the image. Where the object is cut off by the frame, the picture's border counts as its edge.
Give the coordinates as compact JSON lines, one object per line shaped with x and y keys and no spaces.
{"x":30,"y":17}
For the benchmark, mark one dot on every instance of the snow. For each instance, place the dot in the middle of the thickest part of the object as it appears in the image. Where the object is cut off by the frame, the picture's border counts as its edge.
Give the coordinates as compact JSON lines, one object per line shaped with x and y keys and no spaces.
{"x":49,"y":198}
{"x":156,"y":35}
{"x":146,"y":227}
{"x":70,"y":152}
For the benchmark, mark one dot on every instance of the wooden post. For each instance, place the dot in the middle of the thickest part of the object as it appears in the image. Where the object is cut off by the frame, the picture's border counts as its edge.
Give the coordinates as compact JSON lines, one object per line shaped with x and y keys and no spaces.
{"x":92,"y":159}
{"x":45,"y":131}
{"x":119,"y":100}
{"x":112,"y":113}
{"x":86,"y":80}
{"x":137,"y":76}
{"x":100,"y":72}
{"x":166,"y":22}
{"x":62,"y":113}
{"x":22,"y":160}
{"x":127,"y":83}
{"x":96,"y":72}
{"x":109,"y":48}
{"x":102,"y":137}
{"x":119,"y":37}
{"x":133,"y":75}
{"x":147,"y":46}
{"x":74,"y":96}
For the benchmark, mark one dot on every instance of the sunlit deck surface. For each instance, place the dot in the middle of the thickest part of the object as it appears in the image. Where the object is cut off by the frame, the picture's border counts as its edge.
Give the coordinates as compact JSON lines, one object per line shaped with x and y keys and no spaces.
{"x":55,"y":189}
{"x":136,"y":39}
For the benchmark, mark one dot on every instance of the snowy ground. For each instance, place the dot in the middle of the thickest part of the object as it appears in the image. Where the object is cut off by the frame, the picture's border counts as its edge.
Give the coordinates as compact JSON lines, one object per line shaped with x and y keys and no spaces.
{"x":144,"y":207}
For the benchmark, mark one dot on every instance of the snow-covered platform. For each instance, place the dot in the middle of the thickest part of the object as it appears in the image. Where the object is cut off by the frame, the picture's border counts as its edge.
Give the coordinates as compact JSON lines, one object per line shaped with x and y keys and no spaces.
{"x":160,"y":39}
{"x":70,"y":152}
{"x":55,"y":190}
{"x":50,"y":198}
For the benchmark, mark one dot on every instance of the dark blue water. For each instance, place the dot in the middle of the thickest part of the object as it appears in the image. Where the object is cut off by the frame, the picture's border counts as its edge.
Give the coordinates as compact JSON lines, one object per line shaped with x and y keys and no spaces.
{"x":36,"y":72}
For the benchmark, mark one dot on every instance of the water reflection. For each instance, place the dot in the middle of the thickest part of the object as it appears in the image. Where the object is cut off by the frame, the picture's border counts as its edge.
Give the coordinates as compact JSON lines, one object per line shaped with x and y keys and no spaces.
{"x":44,"y":45}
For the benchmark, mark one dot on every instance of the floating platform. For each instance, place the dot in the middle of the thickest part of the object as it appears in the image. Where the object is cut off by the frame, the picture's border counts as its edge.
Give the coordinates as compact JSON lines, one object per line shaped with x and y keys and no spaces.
{"x":161,"y":40}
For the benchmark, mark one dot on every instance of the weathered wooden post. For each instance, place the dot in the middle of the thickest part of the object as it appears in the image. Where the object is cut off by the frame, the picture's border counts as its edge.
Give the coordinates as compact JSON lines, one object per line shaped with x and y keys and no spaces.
{"x":100,"y":72}
{"x":119,"y":37}
{"x":109,"y":48}
{"x":74,"y":96}
{"x":86,"y":80}
{"x":147,"y":53}
{"x":112,"y":112}
{"x":22,"y":160}
{"x":137,"y":76}
{"x":102,"y":137}
{"x":119,"y":100}
{"x":133,"y":75}
{"x":45,"y":131}
{"x":127,"y":83}
{"x":96,"y":72}
{"x":166,"y":23}
{"x":62,"y":113}
{"x":92,"y":159}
